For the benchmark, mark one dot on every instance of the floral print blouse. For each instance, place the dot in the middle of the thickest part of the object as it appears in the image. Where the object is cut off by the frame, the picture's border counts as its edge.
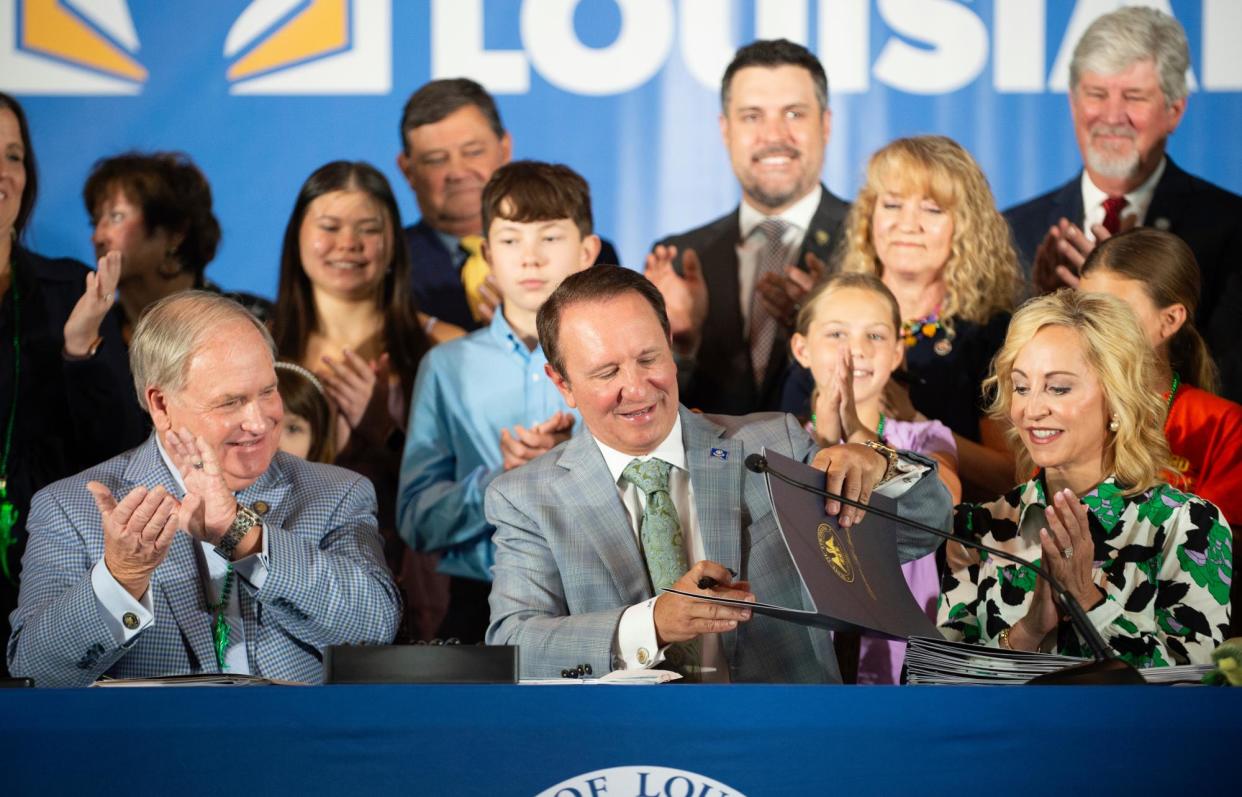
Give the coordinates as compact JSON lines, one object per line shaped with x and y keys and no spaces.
{"x":1164,"y":558}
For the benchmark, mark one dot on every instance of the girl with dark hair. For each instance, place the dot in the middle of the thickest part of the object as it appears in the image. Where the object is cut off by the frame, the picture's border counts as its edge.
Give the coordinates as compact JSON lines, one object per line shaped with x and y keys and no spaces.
{"x":1155,"y":272}
{"x":345,"y":311}
{"x":66,"y":400}
{"x":306,"y":428}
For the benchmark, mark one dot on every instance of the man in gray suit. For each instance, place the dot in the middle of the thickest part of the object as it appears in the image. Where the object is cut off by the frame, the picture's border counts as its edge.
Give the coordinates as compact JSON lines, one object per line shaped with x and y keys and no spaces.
{"x":203,"y":550}
{"x":588,"y":534}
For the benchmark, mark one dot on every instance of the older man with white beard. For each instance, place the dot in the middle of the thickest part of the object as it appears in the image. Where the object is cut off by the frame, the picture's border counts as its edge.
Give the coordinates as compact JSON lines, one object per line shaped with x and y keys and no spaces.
{"x":1128,"y":94}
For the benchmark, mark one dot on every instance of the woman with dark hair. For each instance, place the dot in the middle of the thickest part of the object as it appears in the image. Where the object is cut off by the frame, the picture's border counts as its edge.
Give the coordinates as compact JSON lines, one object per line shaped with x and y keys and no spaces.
{"x":155,"y":209}
{"x":344,"y":310}
{"x":1155,"y":272}
{"x":65,"y":404}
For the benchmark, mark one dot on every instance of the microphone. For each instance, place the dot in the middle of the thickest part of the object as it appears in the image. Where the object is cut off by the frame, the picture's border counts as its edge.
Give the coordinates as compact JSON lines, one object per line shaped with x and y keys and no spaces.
{"x":1106,"y":669}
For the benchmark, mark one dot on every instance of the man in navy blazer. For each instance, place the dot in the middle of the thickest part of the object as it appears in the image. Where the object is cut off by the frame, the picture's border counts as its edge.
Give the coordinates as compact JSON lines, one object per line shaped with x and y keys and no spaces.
{"x":452,"y":140}
{"x":1127,"y":95}
{"x":203,"y":550}
{"x":775,"y":122}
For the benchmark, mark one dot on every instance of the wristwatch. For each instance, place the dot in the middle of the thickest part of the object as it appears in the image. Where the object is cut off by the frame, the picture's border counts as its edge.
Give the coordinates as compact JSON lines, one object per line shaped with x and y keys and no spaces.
{"x":246,"y":519}
{"x":888,"y":454}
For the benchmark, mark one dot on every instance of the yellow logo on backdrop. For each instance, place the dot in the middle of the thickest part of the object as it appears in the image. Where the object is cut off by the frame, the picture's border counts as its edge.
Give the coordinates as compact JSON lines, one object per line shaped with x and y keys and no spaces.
{"x":311,"y":47}
{"x":69,"y":47}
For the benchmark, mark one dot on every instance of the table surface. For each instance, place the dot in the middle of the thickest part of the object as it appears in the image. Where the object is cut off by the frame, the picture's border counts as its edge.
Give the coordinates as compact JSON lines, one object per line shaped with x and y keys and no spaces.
{"x":521,"y":740}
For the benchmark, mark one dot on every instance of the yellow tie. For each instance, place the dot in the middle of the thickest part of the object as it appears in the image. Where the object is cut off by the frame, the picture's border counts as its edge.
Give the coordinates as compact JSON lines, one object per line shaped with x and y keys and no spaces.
{"x":473,"y":272}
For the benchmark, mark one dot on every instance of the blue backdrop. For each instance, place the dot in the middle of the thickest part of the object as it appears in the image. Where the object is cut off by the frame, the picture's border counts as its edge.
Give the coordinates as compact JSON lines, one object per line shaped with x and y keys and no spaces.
{"x":261,"y":92}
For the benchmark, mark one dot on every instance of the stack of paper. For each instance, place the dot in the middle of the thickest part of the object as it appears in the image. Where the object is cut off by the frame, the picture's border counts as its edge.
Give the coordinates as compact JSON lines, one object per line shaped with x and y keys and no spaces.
{"x":205,"y":679}
{"x":614,"y":678}
{"x":938,"y":661}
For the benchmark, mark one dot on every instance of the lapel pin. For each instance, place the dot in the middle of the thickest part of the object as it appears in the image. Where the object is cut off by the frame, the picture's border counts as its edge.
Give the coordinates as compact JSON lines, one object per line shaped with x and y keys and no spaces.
{"x":1161,"y":224}
{"x":719,"y":453}
{"x":261,"y":507}
{"x":821,"y":237}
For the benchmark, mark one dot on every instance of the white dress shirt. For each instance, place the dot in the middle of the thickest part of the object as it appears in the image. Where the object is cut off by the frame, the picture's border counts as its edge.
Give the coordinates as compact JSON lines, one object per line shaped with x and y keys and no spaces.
{"x":1137,"y":201}
{"x":798,"y":216}
{"x":636,"y":635}
{"x":114,"y":601}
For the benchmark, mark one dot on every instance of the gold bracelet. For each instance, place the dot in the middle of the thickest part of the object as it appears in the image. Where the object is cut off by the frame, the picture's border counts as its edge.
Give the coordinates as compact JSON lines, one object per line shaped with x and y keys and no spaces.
{"x":1003,"y":639}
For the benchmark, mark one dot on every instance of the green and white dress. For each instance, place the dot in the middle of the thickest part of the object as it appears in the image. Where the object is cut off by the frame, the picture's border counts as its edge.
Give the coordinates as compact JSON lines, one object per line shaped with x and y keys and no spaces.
{"x":1163,"y":557}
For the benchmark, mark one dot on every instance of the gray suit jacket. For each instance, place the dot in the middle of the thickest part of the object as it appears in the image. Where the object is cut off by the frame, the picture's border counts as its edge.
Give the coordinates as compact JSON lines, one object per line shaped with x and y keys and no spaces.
{"x":568,"y":563}
{"x":326,"y":583}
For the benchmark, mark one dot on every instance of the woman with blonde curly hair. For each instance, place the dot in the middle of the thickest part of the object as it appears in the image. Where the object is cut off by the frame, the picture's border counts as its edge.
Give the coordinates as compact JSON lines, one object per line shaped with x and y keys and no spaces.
{"x":926,"y":224}
{"x":1150,"y":564}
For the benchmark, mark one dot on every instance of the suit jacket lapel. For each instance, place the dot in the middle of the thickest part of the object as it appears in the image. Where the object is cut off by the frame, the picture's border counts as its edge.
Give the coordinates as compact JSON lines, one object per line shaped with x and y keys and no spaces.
{"x":178,"y":578}
{"x":1168,"y":202}
{"x":715,"y":462}
{"x":822,"y":237}
{"x":267,"y":497}
{"x":595,"y":507}
{"x":720,"y":270}
{"x":1067,"y":203}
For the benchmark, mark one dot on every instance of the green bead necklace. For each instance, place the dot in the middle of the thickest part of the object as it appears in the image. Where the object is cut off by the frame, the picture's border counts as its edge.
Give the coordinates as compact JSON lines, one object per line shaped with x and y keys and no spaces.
{"x":220,"y":627}
{"x":1177,"y":382}
{"x":8,"y":512}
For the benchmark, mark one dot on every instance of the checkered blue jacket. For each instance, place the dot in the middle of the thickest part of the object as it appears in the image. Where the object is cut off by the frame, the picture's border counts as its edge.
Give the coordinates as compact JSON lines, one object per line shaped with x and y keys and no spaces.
{"x":327,"y":583}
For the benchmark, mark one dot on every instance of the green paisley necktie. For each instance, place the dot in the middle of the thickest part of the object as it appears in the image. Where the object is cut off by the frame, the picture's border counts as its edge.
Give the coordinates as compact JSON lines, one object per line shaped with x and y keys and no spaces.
{"x":663,"y":547}
{"x":660,"y":531}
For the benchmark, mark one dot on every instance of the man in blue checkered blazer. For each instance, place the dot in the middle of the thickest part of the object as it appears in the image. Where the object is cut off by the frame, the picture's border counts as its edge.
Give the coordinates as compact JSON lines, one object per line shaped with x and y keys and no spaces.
{"x":203,"y":550}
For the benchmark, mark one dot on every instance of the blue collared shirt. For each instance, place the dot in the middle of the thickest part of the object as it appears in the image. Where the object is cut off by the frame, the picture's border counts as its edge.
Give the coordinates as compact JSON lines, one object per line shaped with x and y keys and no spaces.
{"x":467,"y":391}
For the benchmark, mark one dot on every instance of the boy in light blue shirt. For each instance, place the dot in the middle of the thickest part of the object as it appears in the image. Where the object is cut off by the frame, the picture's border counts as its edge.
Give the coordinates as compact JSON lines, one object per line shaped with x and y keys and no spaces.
{"x":482,"y":404}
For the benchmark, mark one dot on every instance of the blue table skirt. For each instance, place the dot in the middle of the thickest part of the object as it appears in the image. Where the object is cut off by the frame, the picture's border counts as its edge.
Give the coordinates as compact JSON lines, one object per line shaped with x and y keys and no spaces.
{"x":521,"y":740}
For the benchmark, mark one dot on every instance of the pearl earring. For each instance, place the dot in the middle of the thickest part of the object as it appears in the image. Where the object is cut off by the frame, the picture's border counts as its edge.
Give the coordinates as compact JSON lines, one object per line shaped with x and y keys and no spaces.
{"x":1114,"y":424}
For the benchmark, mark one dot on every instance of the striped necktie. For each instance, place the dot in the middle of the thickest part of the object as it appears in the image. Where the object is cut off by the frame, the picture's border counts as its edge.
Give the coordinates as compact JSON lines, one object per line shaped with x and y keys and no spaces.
{"x":764,"y":328}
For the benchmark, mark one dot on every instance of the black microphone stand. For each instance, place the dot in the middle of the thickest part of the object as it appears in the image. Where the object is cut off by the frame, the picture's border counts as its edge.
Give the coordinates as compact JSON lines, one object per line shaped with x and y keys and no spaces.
{"x":1107,"y":668}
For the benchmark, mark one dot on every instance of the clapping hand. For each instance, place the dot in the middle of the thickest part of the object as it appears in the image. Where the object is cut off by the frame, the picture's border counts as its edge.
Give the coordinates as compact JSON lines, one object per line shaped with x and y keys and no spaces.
{"x":1059,"y":258}
{"x":137,"y":533}
{"x":360,"y":392}
{"x":836,"y":414}
{"x":522,"y":445}
{"x":209,"y":507}
{"x":685,"y":294}
{"x":1068,"y":553}
{"x":82,"y":327}
{"x":782,"y":295}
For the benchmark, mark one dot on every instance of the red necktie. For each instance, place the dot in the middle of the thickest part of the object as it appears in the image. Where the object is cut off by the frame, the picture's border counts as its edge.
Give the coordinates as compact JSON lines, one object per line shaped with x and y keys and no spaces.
{"x":1112,"y":213}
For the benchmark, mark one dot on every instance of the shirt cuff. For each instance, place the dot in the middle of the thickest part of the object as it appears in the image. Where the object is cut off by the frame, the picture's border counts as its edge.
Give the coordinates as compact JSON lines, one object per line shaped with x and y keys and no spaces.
{"x":636,"y":645}
{"x":910,"y":469}
{"x":125,"y":617}
{"x":253,"y":568}
{"x":1103,"y":616}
